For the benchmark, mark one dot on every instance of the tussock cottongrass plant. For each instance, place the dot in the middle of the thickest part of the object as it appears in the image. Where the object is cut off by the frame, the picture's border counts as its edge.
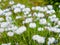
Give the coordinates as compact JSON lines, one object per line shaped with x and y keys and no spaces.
{"x":25,"y":25}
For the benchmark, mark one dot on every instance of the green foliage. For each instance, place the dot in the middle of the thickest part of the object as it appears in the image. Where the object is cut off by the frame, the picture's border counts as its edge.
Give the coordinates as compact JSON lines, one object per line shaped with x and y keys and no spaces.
{"x":25,"y":38}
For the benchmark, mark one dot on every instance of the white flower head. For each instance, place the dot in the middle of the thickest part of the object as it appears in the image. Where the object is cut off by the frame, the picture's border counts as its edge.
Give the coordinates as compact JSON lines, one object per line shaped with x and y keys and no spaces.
{"x":32,"y":25}
{"x":49,"y":24}
{"x":1,"y":19}
{"x":29,"y":15}
{"x":45,"y":8}
{"x":17,"y":17}
{"x":10,"y":34}
{"x":58,"y":22}
{"x":40,"y":29}
{"x":11,"y":2}
{"x":4,"y":24}
{"x":52,"y":11}
{"x":8,"y":19}
{"x":1,"y":30}
{"x":20,"y":6}
{"x":50,"y":7}
{"x":20,"y":30}
{"x":28,"y":20}
{"x":48,"y":12}
{"x":53,"y":29}
{"x":38,"y":38}
{"x":7,"y":10}
{"x":56,"y":26}
{"x":33,"y":8}
{"x":6,"y":44}
{"x":51,"y":40}
{"x":8,"y":13}
{"x":0,"y":0}
{"x":37,"y":8}
{"x":1,"y":12}
{"x":26,"y":10}
{"x":3,"y":44}
{"x":53,"y":16}
{"x":11,"y":28}
{"x":43,"y":21}
{"x":54,"y":19}
{"x":40,"y":15}
{"x":16,"y":10}
{"x":34,"y":14}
